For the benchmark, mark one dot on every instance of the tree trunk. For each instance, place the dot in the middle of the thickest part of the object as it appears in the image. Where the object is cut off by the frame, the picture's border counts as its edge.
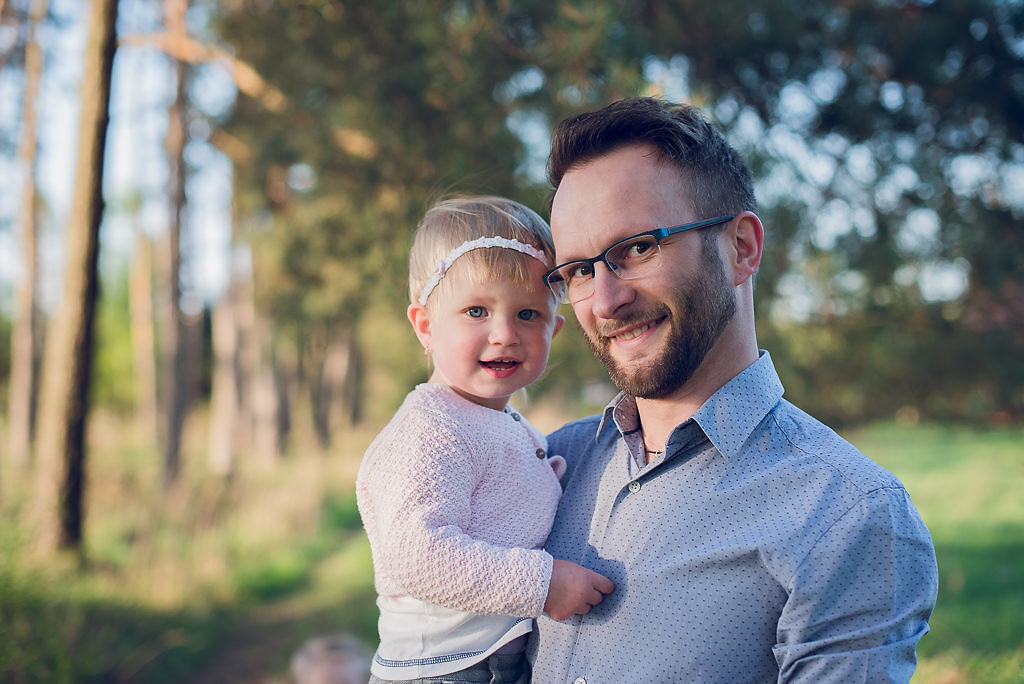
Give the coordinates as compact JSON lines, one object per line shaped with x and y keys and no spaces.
{"x":353,"y":386}
{"x":264,"y":396}
{"x":230,"y":325}
{"x":321,"y":391}
{"x":26,"y":320}
{"x":224,"y":393}
{"x":289,"y":379}
{"x":57,"y":504}
{"x":247,"y":357}
{"x":172,"y":329}
{"x":335,"y":381}
{"x":143,"y":339}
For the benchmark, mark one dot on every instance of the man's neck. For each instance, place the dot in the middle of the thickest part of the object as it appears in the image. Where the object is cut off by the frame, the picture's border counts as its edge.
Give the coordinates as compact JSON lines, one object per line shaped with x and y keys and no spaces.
{"x":659,"y":417}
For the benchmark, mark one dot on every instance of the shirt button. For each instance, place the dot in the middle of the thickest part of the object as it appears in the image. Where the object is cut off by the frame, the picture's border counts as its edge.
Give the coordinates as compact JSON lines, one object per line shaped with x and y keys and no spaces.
{"x":540,"y":453}
{"x":634,"y":487}
{"x":579,"y":680}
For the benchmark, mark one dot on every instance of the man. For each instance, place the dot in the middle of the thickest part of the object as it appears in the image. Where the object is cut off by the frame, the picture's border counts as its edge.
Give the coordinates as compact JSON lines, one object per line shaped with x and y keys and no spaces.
{"x":747,"y":541}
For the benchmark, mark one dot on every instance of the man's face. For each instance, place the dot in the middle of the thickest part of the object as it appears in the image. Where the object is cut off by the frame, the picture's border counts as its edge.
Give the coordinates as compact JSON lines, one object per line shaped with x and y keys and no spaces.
{"x":654,"y":332}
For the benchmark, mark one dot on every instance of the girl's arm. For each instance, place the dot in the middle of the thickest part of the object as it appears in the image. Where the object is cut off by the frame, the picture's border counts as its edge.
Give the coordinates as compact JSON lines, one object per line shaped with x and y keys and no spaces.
{"x":421,"y":501}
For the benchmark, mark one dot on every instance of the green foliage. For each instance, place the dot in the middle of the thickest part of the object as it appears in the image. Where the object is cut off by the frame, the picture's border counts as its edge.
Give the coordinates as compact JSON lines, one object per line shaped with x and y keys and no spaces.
{"x":340,"y":513}
{"x":848,"y":370}
{"x":113,"y":372}
{"x":858,"y":119}
{"x":172,"y":581}
{"x":393,"y":359}
{"x":278,"y":576}
{"x":387,"y":109}
{"x":262,"y":578}
{"x":887,"y":104}
{"x":28,"y":618}
{"x":52,"y":629}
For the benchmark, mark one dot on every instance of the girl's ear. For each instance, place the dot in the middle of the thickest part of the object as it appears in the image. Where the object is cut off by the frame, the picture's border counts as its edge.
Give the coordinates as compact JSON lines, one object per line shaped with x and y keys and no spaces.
{"x":420,"y":320}
{"x":559,"y":322}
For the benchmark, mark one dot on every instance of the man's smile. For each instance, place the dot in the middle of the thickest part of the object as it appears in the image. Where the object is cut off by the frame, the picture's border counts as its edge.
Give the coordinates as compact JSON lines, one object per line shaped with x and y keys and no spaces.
{"x":633,"y":327}
{"x":634,"y":333}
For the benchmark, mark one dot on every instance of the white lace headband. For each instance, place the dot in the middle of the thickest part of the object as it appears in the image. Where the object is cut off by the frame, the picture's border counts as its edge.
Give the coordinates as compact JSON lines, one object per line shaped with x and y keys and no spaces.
{"x":480,"y":243}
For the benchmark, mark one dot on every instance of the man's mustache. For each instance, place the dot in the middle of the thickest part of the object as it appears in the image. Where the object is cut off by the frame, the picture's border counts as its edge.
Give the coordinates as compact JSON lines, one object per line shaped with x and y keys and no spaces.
{"x":607,"y":327}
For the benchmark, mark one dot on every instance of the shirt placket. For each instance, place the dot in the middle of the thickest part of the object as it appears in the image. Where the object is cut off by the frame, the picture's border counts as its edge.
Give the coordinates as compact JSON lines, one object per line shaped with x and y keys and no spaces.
{"x":618,"y":481}
{"x":615,"y":483}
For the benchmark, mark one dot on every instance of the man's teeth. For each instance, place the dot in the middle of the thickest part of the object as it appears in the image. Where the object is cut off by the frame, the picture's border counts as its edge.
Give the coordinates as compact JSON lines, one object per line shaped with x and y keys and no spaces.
{"x":634,"y":333}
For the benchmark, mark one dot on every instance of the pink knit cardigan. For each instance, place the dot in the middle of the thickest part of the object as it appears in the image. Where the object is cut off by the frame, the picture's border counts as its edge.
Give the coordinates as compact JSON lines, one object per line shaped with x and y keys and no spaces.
{"x":457,"y":500}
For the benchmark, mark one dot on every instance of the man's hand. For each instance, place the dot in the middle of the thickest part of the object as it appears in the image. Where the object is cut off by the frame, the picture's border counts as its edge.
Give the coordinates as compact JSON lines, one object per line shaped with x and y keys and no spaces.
{"x":574,"y":589}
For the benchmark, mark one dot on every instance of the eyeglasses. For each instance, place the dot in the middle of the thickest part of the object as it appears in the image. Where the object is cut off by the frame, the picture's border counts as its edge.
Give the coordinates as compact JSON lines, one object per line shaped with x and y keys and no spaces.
{"x":629,"y":258}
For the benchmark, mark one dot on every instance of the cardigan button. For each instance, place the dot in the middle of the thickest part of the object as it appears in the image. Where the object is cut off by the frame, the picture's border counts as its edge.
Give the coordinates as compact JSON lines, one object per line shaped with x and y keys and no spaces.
{"x":541,"y":454}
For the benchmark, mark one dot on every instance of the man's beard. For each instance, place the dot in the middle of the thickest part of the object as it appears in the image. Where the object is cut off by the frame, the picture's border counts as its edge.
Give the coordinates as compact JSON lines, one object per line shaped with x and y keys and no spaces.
{"x":698,"y":315}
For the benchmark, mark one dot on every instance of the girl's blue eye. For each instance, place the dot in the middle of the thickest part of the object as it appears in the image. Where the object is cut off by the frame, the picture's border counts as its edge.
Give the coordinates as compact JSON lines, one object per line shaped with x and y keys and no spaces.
{"x":476,"y":312}
{"x":528,"y":315}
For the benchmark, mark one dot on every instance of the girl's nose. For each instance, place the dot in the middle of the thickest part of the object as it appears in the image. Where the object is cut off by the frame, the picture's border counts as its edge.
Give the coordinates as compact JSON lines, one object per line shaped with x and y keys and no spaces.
{"x":503,"y":331}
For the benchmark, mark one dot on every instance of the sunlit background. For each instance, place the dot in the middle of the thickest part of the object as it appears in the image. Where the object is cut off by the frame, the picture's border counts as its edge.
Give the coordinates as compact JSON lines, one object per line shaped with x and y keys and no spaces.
{"x":249,"y":333}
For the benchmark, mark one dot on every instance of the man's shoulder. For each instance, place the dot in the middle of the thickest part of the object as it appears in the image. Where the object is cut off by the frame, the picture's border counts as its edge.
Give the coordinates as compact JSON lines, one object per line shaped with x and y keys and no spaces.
{"x":817,"y":443}
{"x":575,"y":436}
{"x":581,"y":428}
{"x":575,"y":440}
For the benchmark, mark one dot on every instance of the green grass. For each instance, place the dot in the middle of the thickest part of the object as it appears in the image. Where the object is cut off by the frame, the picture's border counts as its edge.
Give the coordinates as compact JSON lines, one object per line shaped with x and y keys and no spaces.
{"x":969,"y":487}
{"x":223,"y":581}
{"x":212,"y":581}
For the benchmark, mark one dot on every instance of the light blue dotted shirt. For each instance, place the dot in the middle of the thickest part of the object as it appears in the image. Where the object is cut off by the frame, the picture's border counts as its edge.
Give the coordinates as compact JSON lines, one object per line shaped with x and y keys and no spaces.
{"x":761,"y":547}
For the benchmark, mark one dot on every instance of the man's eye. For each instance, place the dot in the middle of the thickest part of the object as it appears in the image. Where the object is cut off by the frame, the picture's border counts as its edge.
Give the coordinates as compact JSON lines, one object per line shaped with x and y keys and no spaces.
{"x":476,"y":312}
{"x":528,"y":314}
{"x":580,"y":270}
{"x":638,"y":248}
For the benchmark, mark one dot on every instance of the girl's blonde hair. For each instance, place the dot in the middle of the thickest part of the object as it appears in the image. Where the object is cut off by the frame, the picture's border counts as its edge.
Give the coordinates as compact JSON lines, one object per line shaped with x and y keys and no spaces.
{"x":451,"y":222}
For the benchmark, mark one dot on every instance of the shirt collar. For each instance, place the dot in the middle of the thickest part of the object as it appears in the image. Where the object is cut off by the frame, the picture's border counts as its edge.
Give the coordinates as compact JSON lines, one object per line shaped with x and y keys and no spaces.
{"x":620,"y":414}
{"x":732,"y":413}
{"x":727,"y":418}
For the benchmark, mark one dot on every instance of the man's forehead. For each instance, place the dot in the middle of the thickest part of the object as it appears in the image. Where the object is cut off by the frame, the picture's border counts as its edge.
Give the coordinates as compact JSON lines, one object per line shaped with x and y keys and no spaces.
{"x":603,"y":201}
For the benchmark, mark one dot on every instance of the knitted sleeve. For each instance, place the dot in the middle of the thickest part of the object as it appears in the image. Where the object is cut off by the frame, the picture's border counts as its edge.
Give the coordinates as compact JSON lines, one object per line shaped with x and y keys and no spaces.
{"x":421,"y":491}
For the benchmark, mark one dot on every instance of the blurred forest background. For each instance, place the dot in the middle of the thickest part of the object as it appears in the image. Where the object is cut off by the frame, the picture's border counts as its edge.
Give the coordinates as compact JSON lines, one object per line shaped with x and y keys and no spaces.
{"x":205,"y":215}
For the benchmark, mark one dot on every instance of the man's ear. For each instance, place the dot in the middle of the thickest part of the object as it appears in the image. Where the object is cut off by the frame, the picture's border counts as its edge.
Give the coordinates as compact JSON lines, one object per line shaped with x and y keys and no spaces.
{"x":746,"y":242}
{"x":420,"y":319}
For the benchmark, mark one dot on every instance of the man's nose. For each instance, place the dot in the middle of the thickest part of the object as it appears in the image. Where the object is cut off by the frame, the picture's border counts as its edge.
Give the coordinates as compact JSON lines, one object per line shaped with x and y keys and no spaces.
{"x":610,"y":292}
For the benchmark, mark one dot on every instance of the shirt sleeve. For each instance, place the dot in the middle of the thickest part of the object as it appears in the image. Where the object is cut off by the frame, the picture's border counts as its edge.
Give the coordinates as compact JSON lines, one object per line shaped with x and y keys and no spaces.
{"x":861,"y":599}
{"x":422,"y":500}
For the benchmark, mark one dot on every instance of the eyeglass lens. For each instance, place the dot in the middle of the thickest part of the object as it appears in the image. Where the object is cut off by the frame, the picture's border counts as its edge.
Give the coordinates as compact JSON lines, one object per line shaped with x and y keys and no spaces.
{"x":632,"y":258}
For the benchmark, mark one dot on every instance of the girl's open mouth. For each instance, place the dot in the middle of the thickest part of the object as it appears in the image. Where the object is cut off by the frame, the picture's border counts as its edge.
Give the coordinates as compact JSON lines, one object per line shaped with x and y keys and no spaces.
{"x":503,"y":364}
{"x":500,"y":368}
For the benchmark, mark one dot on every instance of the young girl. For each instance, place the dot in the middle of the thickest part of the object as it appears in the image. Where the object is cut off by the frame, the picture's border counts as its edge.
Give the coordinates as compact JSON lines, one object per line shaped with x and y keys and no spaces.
{"x":457,"y":493}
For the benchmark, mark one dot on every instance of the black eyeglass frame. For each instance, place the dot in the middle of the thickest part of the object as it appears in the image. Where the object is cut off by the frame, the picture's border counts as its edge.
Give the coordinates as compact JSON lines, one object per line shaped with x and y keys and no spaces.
{"x":658,"y":234}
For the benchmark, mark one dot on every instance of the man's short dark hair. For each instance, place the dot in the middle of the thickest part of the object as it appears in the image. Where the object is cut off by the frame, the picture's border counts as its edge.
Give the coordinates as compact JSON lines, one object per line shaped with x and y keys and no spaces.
{"x":717,"y":177}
